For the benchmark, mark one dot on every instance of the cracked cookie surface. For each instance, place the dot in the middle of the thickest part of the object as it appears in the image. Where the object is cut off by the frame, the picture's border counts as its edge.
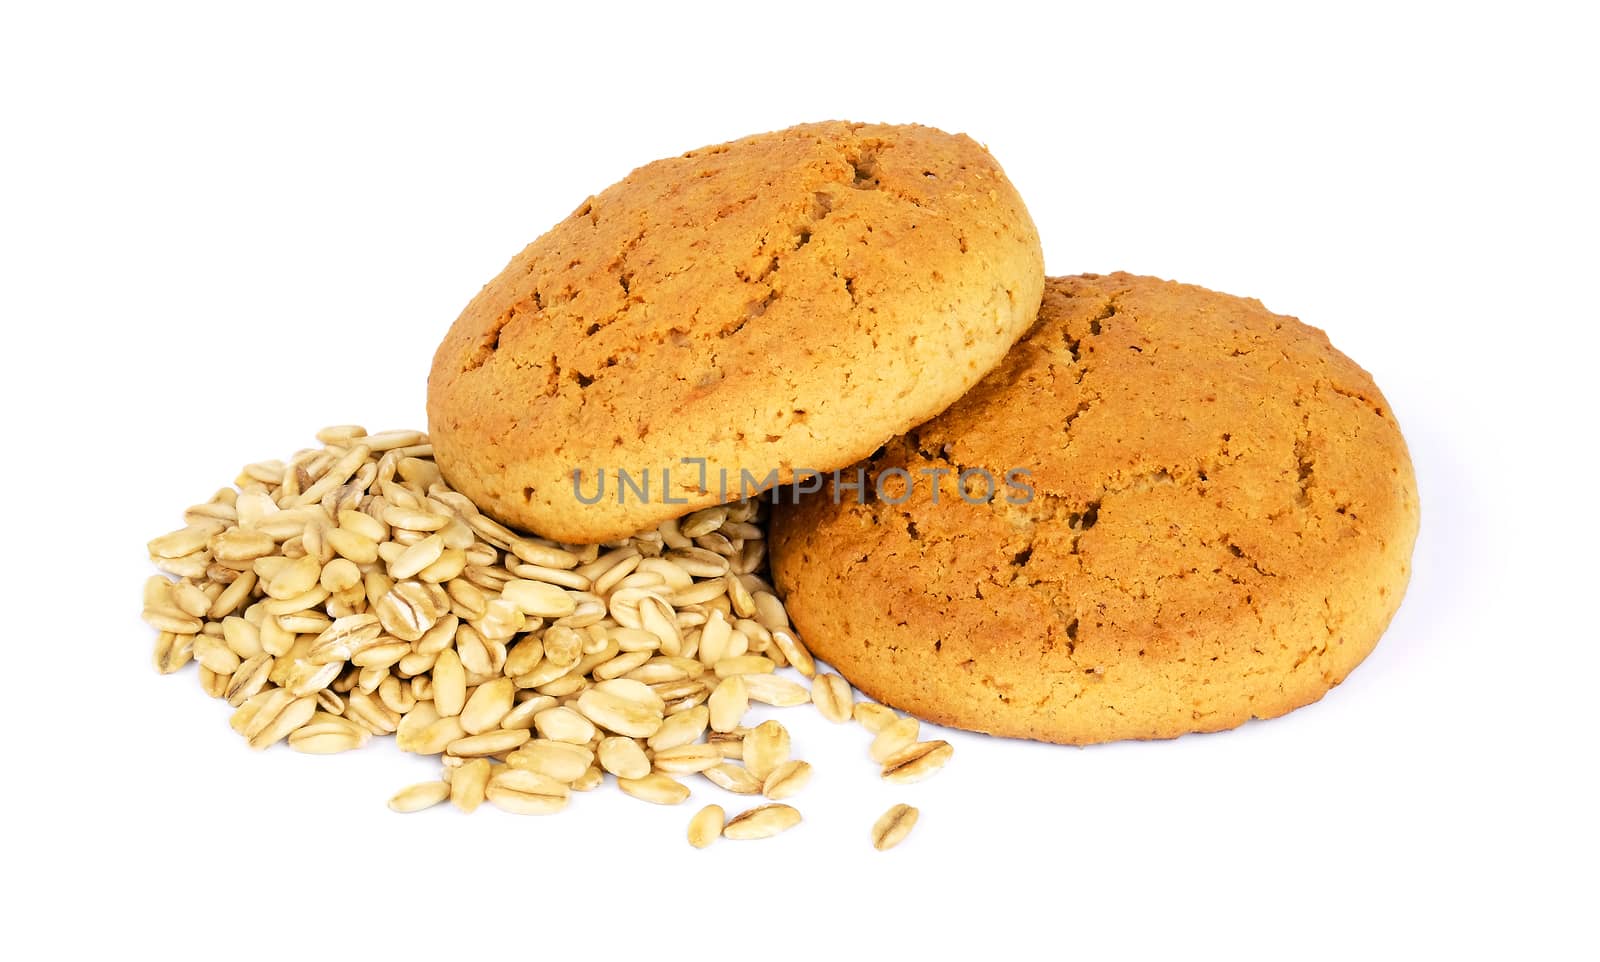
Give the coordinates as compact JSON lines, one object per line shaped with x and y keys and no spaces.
{"x":1220,"y":527}
{"x":786,"y":301}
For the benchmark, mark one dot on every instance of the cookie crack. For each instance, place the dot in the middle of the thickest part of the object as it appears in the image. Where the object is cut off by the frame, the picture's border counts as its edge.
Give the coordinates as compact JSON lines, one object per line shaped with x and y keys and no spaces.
{"x":1107,"y":312}
{"x":1233,"y":548}
{"x":1367,"y":402}
{"x":1142,"y":482}
{"x":489,"y":342}
{"x":1082,"y":409}
{"x":1304,"y":463}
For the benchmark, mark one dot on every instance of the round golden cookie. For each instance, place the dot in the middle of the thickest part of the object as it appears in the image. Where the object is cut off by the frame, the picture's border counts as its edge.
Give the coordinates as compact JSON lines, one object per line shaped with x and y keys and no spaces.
{"x":726,"y":318}
{"x":1202,"y":513}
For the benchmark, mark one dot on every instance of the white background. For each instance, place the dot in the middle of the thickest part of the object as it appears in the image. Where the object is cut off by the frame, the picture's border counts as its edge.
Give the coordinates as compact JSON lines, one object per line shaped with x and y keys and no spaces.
{"x":222,"y":230}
